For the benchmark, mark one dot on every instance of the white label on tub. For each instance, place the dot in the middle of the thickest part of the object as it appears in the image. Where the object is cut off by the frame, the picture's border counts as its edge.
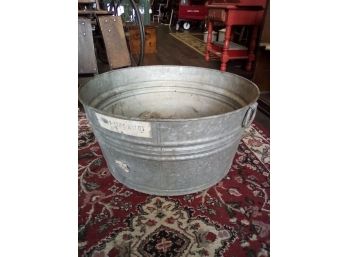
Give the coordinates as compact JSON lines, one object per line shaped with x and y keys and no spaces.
{"x":128,"y":127}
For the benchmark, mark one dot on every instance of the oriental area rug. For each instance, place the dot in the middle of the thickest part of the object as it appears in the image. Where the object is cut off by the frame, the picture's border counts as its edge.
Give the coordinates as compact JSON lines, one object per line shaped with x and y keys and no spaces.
{"x":230,"y":219}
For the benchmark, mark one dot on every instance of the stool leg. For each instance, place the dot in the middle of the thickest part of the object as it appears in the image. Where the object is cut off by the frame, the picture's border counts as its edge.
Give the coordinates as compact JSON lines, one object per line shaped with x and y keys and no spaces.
{"x":224,"y":55}
{"x":251,"y":49}
{"x":210,"y":31}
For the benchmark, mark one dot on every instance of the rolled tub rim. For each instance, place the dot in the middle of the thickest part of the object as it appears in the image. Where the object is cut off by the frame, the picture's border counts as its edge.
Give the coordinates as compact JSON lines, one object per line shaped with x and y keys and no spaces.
{"x":167,"y":119}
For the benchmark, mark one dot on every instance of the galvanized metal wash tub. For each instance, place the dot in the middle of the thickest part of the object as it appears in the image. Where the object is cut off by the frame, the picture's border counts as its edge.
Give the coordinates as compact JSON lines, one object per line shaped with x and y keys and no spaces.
{"x":169,"y":130}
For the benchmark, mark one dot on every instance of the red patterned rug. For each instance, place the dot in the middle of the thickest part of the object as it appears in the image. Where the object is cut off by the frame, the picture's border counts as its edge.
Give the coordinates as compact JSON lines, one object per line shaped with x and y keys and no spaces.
{"x":230,"y":219}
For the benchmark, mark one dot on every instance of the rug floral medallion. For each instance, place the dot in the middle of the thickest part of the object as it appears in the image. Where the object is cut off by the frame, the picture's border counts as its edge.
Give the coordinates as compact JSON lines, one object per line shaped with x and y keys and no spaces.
{"x":230,"y":219}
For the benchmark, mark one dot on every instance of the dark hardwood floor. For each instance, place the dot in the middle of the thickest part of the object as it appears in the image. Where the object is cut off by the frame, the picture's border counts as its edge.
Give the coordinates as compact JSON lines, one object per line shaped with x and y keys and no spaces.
{"x":170,"y":51}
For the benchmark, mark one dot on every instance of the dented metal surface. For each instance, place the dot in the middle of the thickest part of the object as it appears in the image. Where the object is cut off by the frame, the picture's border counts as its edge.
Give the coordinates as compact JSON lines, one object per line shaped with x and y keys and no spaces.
{"x":169,"y":130}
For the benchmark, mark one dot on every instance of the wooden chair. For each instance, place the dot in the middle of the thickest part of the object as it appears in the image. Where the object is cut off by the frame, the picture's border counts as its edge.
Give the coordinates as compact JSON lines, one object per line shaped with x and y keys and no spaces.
{"x":157,"y":13}
{"x":160,"y":12}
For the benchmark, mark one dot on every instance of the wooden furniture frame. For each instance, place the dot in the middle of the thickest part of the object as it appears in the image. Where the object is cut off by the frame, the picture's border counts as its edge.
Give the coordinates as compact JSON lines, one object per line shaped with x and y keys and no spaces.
{"x":231,"y":15}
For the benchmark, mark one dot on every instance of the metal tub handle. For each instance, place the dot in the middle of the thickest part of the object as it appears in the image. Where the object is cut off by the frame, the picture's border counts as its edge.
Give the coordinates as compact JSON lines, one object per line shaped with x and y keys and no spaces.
{"x":249,"y":115}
